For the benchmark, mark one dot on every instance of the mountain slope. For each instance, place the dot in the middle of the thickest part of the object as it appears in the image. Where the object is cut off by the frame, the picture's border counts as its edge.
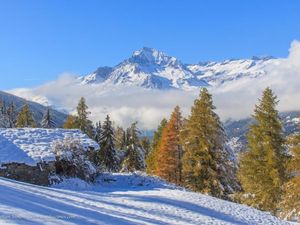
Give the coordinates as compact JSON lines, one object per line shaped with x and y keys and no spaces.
{"x":37,"y":109}
{"x":150,"y":68}
{"x":119,"y":199}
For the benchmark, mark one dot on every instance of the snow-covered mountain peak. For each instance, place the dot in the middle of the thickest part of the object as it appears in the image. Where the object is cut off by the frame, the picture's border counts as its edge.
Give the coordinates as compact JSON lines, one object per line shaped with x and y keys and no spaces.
{"x":146,"y":56}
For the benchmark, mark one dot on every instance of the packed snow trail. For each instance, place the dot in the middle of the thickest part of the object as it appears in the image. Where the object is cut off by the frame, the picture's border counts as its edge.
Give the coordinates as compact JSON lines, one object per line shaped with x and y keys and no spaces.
{"x":119,"y":199}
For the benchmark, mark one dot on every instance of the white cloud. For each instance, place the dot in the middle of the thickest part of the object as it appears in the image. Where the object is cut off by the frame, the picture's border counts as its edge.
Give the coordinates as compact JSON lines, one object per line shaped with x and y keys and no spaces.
{"x":237,"y":99}
{"x":126,"y":105}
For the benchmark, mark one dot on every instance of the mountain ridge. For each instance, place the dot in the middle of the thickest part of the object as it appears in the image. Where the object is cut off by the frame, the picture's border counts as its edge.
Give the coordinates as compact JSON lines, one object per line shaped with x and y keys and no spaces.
{"x":152,"y":69}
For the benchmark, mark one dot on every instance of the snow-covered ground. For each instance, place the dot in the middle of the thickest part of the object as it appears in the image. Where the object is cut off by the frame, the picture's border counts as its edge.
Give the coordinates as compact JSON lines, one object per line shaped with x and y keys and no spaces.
{"x":119,"y":199}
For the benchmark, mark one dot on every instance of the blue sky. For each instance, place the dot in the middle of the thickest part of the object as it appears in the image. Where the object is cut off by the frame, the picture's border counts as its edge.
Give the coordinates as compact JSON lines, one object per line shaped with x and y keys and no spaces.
{"x":41,"y":39}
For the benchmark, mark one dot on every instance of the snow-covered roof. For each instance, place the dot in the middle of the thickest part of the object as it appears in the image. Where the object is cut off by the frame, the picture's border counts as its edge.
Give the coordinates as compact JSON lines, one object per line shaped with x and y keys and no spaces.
{"x":33,"y":145}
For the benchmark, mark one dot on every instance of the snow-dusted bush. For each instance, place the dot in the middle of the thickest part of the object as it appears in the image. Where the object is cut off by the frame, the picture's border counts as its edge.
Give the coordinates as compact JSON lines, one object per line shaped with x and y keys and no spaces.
{"x":72,"y":160}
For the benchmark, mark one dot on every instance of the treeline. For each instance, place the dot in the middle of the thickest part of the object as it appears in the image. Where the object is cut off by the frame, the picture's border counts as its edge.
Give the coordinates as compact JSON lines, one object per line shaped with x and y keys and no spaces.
{"x":120,"y":149}
{"x":192,"y":152}
{"x":11,"y":117}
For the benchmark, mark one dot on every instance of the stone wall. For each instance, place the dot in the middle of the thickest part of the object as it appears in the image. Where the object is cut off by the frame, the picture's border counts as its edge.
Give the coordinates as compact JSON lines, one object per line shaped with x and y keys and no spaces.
{"x":38,"y":174}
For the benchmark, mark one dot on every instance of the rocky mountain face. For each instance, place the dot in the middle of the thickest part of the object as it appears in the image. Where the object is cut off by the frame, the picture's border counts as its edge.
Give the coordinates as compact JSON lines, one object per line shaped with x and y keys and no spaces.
{"x":150,"y":68}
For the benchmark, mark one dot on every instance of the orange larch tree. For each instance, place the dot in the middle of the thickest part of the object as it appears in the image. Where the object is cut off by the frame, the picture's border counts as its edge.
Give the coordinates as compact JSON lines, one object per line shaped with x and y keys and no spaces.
{"x":170,"y":150}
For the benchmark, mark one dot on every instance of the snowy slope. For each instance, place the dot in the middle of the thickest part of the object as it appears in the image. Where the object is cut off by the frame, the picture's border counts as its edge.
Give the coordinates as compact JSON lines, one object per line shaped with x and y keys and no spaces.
{"x":124,"y":199}
{"x":34,"y":145}
{"x":150,"y":68}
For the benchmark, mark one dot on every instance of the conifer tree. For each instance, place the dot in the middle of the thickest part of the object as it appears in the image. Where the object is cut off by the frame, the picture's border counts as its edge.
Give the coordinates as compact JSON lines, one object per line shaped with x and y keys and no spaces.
{"x":107,"y":156}
{"x":145,"y":143}
{"x":25,"y":118}
{"x":205,"y":158}
{"x":152,"y":158}
{"x":47,"y":121}
{"x":135,"y":155}
{"x":290,"y":204}
{"x":4,"y":118}
{"x":98,"y":132}
{"x":170,"y":150}
{"x":262,"y":167}
{"x":120,"y":138}
{"x":70,"y":122}
{"x":82,"y":121}
{"x":12,"y":115}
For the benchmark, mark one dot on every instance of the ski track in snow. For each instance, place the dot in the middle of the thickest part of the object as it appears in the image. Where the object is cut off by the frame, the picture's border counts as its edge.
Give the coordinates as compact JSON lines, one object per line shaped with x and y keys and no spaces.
{"x":129,"y":199}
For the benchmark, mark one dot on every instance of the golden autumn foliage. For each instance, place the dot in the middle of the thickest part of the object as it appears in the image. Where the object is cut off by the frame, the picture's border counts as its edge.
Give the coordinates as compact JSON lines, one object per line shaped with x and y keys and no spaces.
{"x":170,"y":150}
{"x":151,"y":160}
{"x":25,"y":118}
{"x":70,"y":122}
{"x":290,"y":204}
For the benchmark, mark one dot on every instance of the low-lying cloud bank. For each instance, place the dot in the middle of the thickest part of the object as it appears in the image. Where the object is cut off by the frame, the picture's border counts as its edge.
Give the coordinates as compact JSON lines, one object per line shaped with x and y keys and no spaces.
{"x":233,"y":100}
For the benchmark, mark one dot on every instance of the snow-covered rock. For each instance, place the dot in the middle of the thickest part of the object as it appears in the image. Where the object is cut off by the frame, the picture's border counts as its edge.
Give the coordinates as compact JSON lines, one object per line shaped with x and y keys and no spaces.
{"x":34,"y":145}
{"x":120,"y":199}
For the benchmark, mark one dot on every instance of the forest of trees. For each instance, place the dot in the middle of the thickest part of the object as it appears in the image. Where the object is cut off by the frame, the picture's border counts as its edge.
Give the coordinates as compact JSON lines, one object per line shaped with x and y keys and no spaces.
{"x":192,"y":152}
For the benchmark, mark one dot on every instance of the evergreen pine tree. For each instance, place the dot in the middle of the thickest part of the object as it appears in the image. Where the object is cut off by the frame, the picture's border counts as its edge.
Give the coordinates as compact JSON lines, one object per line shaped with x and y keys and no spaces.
{"x":25,"y":118}
{"x":107,"y":156}
{"x":262,"y":166}
{"x":170,"y":150}
{"x":70,"y":122}
{"x":98,"y":131}
{"x":47,"y":121}
{"x":135,"y":155}
{"x":12,"y":115}
{"x":146,"y":145}
{"x":290,"y":205}
{"x":152,"y":158}
{"x":205,"y":158}
{"x":82,"y":121}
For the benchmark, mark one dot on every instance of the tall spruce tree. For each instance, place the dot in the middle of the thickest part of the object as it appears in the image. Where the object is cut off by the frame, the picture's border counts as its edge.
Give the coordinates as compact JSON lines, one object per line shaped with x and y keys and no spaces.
{"x":290,"y":204}
{"x":47,"y":121}
{"x":107,"y":156}
{"x":135,"y":155}
{"x":205,"y":158}
{"x":152,"y":158}
{"x":25,"y":118}
{"x":82,"y":121}
{"x":170,"y":150}
{"x":262,"y":167}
